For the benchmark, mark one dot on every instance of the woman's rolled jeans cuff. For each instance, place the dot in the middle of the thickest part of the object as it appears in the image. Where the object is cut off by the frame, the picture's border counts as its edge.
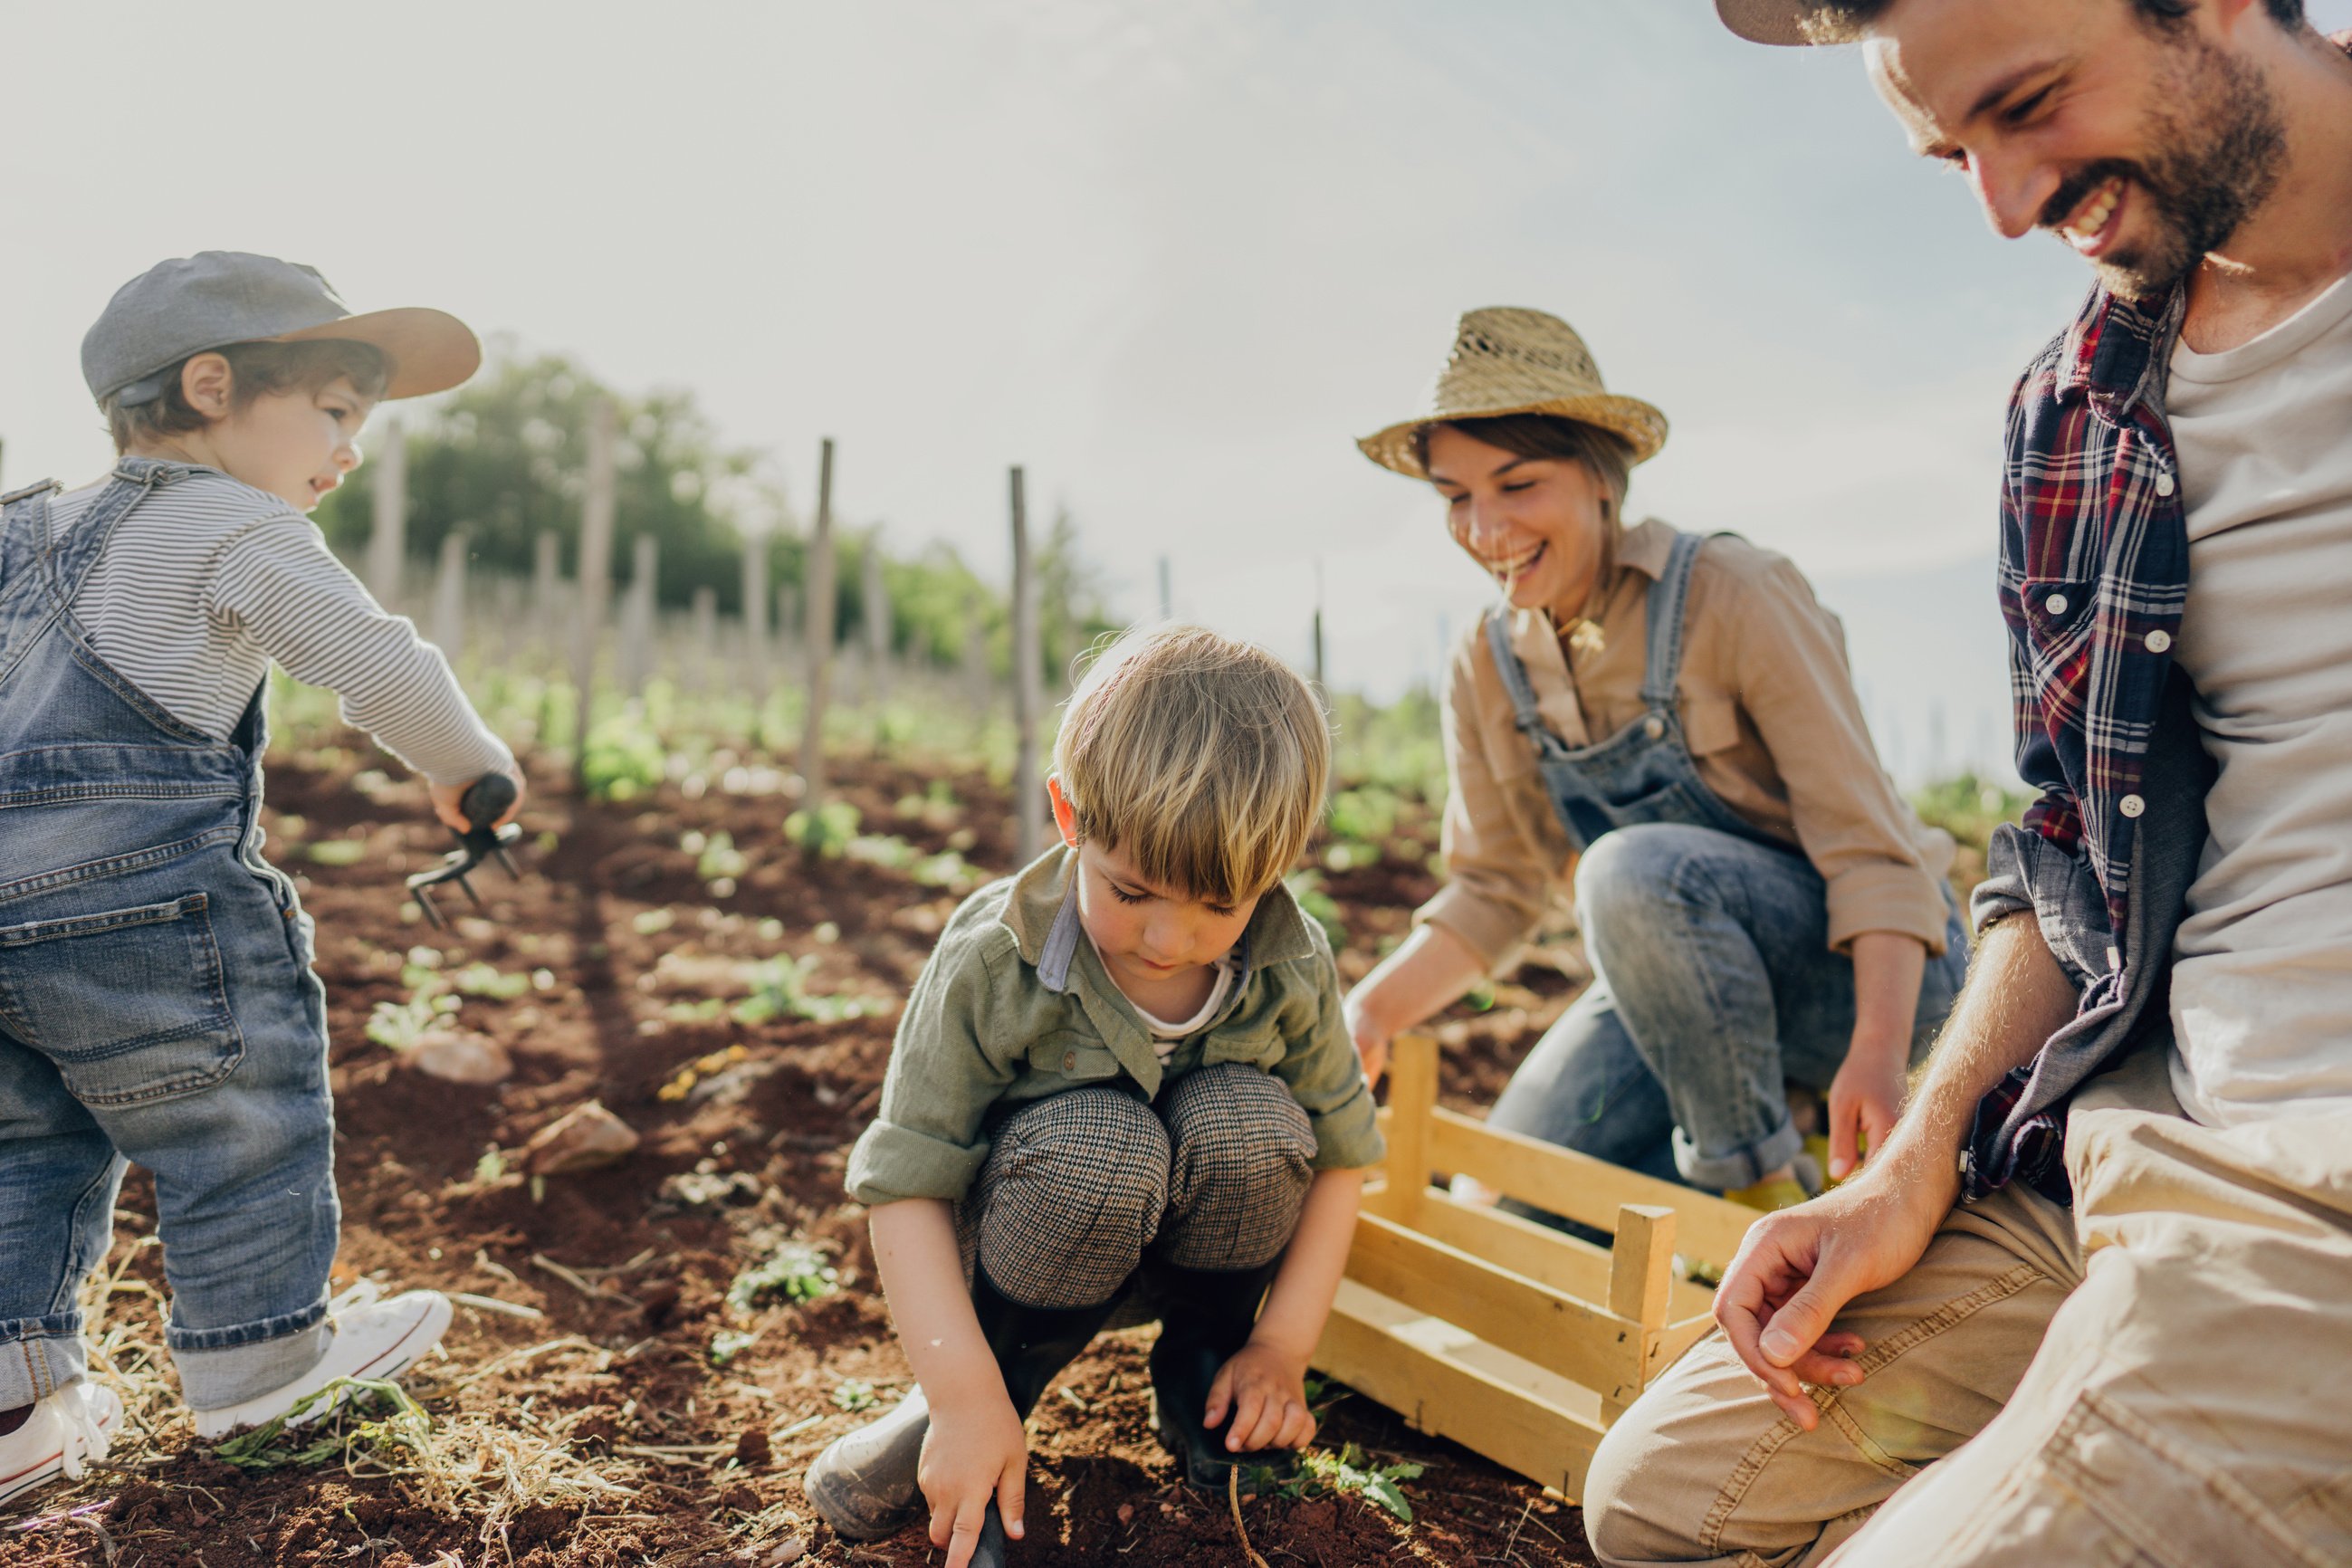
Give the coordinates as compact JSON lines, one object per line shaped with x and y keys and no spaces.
{"x":1739,"y":1167}
{"x":230,"y":1366}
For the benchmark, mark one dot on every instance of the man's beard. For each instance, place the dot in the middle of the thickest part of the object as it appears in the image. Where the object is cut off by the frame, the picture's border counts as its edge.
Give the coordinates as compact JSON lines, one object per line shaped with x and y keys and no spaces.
{"x":2216,"y":143}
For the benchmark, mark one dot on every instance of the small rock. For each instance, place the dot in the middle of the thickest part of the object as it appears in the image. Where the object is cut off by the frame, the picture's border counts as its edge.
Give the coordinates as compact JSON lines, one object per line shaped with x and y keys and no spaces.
{"x":460,"y":1056}
{"x":790,"y":1551}
{"x":751,"y":1447}
{"x":1127,"y":1513}
{"x":581,"y":1139}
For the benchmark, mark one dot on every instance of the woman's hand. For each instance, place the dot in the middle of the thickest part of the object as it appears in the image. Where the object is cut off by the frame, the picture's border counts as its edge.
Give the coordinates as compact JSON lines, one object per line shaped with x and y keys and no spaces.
{"x":1864,"y":1100}
{"x":1372,"y":1036}
{"x":972,"y":1455}
{"x":1266,"y":1389}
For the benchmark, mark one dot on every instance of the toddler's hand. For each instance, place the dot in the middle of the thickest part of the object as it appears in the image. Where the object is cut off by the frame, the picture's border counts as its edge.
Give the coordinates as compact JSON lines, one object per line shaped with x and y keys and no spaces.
{"x":448,"y":803}
{"x":970,"y":1457}
{"x":1266,"y":1389}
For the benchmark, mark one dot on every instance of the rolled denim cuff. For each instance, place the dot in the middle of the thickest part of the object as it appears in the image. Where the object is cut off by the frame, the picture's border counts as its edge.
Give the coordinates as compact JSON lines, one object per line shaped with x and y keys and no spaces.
{"x":38,"y":1356}
{"x":210,"y":1379}
{"x":1737,"y":1168}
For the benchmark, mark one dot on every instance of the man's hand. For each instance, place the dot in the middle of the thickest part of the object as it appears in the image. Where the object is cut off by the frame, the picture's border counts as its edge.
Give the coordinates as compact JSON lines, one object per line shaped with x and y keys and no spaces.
{"x":968,"y":1457}
{"x":1796,"y":1271}
{"x":447,"y":804}
{"x":1864,"y":1098}
{"x":1266,"y":1389}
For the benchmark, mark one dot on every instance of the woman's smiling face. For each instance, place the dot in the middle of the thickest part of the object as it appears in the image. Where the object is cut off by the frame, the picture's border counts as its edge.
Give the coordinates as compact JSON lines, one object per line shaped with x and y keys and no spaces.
{"x":1536,"y":525}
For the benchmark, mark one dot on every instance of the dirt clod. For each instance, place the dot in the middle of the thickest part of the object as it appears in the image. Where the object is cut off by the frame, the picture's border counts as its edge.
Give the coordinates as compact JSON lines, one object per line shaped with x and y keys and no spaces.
{"x":582,"y":1139}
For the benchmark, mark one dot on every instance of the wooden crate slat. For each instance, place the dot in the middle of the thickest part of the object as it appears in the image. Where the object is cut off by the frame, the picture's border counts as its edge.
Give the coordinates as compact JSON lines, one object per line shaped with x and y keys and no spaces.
{"x":1450,"y":1384}
{"x":1582,"y":1342}
{"x":1580,"y":1188}
{"x":1566,"y":1263}
{"x":1677,"y":1338}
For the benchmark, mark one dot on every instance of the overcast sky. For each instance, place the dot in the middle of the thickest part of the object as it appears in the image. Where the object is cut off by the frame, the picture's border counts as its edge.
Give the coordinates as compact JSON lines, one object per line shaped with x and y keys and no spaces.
{"x":1172,"y":257}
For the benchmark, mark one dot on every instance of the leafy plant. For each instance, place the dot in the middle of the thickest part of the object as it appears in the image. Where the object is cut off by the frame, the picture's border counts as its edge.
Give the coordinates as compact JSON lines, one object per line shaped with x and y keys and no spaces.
{"x":1307,"y":891}
{"x":401,"y":1425}
{"x":398,"y":1026}
{"x":854,"y":1394}
{"x":1322,"y":1473}
{"x":796,"y":1271}
{"x":780,"y":990}
{"x":827,"y":831}
{"x":623,"y":759}
{"x":728,"y":1343}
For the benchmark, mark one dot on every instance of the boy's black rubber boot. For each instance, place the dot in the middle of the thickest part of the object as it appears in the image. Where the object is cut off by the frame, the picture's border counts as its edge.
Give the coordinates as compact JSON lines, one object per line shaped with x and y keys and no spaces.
{"x":865,"y":1485}
{"x":1207,"y":1315}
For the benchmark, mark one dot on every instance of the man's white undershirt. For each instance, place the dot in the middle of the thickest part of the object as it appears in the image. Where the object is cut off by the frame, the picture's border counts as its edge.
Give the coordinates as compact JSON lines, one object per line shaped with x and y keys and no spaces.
{"x":2261,"y":987}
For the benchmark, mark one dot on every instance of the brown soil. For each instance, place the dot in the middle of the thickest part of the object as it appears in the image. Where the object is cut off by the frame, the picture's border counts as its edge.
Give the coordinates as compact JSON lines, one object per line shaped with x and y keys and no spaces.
{"x":629,"y":936}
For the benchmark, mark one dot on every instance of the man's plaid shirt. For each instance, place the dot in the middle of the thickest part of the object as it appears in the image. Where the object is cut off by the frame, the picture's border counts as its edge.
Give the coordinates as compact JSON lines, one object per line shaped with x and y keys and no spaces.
{"x":2093,"y":577}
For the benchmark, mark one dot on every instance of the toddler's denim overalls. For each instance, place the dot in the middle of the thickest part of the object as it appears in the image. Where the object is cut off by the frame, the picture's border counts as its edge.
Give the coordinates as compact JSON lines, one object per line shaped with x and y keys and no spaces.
{"x":156,"y":1000}
{"x":1712,"y":976}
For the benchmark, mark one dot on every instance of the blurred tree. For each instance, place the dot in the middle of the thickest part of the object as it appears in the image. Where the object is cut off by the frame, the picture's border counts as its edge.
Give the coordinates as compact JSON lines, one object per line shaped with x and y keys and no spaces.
{"x":502,"y":458}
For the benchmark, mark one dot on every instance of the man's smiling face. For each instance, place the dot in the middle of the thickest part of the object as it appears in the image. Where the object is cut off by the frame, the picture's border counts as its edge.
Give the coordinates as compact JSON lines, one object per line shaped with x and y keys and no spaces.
{"x":2143,"y":142}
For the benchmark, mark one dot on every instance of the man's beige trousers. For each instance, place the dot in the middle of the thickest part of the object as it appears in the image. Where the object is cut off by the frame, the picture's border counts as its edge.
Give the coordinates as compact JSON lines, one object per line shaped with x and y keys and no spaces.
{"x":2161,"y":1376}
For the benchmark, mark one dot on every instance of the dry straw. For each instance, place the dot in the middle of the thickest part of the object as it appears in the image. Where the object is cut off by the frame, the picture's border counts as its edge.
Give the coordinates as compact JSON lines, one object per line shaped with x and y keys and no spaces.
{"x":1505,"y":360}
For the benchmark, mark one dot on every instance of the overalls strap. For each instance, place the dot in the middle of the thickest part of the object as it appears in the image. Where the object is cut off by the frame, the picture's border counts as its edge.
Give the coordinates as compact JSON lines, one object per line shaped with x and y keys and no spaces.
{"x":1663,"y":664}
{"x":70,"y":558}
{"x":1524,"y":711}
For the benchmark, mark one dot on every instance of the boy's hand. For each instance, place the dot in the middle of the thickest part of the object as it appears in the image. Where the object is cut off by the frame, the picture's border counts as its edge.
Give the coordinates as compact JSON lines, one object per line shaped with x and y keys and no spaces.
{"x":448,"y":803}
{"x":1266,"y":1389}
{"x":968,"y":1457}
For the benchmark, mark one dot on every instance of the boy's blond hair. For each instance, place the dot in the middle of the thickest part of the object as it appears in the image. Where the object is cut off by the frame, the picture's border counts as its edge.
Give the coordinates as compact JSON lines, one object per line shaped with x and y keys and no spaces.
{"x":1203,"y":759}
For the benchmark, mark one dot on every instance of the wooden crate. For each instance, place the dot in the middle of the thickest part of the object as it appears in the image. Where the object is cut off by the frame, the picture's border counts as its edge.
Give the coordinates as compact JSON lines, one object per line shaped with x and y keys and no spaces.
{"x":1506,"y":1336}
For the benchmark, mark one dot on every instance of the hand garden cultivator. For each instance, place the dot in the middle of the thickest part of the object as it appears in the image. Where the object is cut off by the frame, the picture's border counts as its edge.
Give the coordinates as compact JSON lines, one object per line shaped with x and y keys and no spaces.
{"x":484,"y":802}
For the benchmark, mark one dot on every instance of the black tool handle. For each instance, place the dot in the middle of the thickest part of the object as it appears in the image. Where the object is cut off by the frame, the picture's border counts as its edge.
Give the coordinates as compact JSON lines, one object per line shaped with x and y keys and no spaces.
{"x":486,"y":800}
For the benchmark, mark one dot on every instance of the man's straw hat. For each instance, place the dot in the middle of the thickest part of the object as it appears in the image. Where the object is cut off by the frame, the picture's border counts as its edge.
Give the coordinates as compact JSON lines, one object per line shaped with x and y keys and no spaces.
{"x":1511,"y":361}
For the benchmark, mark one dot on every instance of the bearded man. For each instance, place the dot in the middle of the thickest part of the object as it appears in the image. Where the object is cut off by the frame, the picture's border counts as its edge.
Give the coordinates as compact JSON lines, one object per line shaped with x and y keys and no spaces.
{"x":2092,"y":1302}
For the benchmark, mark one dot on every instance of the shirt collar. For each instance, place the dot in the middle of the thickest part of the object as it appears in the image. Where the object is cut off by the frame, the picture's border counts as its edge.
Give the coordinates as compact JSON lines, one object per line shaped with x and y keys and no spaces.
{"x":1043,"y":915}
{"x":2118,"y":348}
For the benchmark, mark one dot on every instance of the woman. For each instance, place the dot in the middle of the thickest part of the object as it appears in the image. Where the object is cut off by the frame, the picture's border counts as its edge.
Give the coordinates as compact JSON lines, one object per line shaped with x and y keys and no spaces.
{"x":1668,"y":721}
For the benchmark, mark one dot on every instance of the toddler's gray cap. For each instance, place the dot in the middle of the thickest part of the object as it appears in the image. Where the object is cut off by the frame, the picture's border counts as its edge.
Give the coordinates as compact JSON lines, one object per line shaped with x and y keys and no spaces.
{"x":215,"y":297}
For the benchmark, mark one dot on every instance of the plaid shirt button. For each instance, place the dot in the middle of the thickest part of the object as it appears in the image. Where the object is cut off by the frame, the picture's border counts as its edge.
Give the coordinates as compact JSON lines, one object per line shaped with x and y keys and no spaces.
{"x":2131,"y":805}
{"x":2055,"y":603}
{"x":2165,"y":484}
{"x":2159,"y":640}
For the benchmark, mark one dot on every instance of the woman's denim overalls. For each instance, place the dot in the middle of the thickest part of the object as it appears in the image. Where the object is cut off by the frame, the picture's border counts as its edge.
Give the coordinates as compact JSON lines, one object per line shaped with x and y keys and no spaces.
{"x":1713,"y":977}
{"x":156,"y":1000}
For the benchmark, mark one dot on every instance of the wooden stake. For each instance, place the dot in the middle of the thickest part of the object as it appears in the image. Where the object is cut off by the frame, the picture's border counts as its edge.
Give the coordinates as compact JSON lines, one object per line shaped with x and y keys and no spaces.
{"x":706,"y":632}
{"x":595,"y":572}
{"x":547,"y":589}
{"x":449,"y":597}
{"x":1028,"y":682}
{"x":388,"y":544}
{"x":1320,"y":689}
{"x":875,"y":605}
{"x":637,"y":612}
{"x":819,"y":623}
{"x":755,"y":615}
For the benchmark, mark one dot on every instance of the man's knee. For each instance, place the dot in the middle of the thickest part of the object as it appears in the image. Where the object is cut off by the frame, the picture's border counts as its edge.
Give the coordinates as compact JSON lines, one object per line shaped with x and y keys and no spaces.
{"x":1630,"y":1512}
{"x":1071,"y":1194}
{"x":1243,"y":1155}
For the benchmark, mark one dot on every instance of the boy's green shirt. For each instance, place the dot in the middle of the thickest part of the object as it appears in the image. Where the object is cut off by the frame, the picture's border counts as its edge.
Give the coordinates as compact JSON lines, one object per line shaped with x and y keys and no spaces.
{"x":1014,"y":1005}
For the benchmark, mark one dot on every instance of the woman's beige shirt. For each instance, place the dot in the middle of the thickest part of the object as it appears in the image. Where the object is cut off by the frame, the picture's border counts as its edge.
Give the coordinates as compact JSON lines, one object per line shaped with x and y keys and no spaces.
{"x":1768,"y":707}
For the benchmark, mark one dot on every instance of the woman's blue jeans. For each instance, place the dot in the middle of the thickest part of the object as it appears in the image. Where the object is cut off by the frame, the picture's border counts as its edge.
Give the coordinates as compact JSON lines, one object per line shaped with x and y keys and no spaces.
{"x":1713,"y":983}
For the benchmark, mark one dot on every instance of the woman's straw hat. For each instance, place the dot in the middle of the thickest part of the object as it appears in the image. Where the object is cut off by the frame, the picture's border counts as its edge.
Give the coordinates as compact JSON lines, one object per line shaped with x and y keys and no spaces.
{"x":1511,"y":361}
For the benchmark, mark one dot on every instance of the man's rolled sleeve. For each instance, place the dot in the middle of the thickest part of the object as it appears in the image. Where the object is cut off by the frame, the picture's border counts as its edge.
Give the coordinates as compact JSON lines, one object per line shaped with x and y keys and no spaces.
{"x":926,"y":1140}
{"x":1324,"y":1076}
{"x":2025,"y":872}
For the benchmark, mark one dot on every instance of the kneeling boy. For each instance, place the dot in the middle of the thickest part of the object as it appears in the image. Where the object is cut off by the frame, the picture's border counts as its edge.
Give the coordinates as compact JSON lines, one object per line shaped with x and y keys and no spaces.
{"x":1122,"y":1079}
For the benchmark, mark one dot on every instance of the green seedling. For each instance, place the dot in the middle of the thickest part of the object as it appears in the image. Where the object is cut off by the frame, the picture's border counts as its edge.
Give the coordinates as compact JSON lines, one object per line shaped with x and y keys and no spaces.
{"x":853,"y":1394}
{"x":400,"y":1423}
{"x":795,"y":1271}
{"x":827,"y":832}
{"x":728,"y":1343}
{"x":780,"y":990}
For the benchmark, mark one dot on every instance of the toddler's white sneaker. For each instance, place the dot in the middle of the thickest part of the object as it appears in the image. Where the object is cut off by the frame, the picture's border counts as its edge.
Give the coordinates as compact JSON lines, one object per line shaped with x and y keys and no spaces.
{"x":73,"y":1424}
{"x":374,"y":1339}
